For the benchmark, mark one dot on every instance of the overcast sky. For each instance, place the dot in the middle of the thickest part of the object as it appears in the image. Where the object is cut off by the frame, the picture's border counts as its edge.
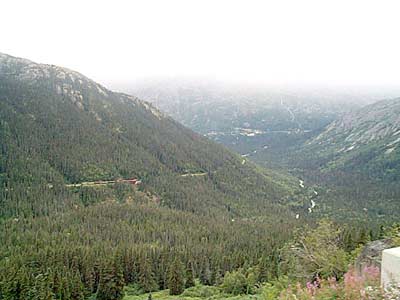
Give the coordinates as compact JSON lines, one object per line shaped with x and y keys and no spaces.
{"x":308,"y":41}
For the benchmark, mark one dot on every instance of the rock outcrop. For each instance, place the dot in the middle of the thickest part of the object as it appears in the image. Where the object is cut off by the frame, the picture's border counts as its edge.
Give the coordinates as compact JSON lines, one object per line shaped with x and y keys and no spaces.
{"x":371,"y":255}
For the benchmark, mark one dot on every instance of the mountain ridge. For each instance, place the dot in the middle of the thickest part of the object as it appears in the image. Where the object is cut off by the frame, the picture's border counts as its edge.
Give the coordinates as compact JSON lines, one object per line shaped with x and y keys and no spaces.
{"x":365,"y":140}
{"x":64,"y":128}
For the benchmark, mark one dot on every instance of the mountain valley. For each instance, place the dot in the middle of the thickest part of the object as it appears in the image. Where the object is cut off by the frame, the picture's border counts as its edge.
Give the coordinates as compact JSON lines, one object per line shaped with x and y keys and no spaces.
{"x":101,"y":192}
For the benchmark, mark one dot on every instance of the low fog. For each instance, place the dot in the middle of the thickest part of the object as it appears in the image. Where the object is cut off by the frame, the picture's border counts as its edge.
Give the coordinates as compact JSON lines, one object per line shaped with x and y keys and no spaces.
{"x":276,"y":43}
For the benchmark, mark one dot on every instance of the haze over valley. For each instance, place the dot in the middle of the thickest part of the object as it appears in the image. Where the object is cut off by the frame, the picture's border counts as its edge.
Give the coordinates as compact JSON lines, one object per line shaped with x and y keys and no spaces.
{"x":199,"y":150}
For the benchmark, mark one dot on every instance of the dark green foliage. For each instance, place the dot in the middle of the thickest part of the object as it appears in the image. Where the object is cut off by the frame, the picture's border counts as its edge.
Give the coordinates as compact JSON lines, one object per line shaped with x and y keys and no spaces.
{"x":77,"y":287}
{"x":146,"y":278}
{"x":205,"y":275}
{"x":235,"y":283}
{"x":316,"y":253}
{"x":78,"y":245}
{"x":263,"y":270}
{"x":76,"y":242}
{"x":111,"y":283}
{"x":58,"y":128}
{"x":347,"y":148}
{"x":176,"y":278}
{"x":24,"y":284}
{"x":189,"y":282}
{"x":64,"y":128}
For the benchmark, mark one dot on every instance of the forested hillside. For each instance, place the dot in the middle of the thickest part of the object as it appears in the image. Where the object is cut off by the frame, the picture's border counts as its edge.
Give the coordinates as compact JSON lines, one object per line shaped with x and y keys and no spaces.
{"x":59,"y":127}
{"x":355,"y":160}
{"x":364,"y":142}
{"x":260,"y":122}
{"x":201,"y":221}
{"x":65,"y":235}
{"x":344,"y":152}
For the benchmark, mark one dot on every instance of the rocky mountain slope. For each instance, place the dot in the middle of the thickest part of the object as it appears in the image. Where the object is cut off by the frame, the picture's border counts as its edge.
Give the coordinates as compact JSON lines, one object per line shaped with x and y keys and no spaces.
{"x":366,"y":141}
{"x":70,"y":219}
{"x":259,"y":122}
{"x":59,"y":127}
{"x":70,"y":228}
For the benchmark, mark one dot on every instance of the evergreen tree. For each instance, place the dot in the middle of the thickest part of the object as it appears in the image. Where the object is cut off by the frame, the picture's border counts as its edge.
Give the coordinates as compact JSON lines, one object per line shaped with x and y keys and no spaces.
{"x":76,"y":287}
{"x":363,"y":238}
{"x":146,"y":276}
{"x":111,"y":283}
{"x":40,"y":288}
{"x":205,"y":274}
{"x":176,"y":282}
{"x":11,"y":285}
{"x":263,"y":270}
{"x":189,"y":275}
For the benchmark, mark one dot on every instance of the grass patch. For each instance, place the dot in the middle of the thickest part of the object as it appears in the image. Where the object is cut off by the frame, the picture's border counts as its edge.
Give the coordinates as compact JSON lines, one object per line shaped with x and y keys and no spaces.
{"x":197,"y":292}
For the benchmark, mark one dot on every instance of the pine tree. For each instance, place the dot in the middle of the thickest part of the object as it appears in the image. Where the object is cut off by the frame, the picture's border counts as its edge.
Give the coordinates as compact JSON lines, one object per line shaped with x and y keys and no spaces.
{"x":76,"y":287}
{"x":146,"y":277}
{"x":42,"y":288}
{"x":263,"y":270}
{"x":363,"y":238}
{"x":12,"y":285}
{"x":205,"y":273}
{"x":176,"y":283}
{"x":111,"y":282}
{"x":56,"y":283}
{"x":189,"y":275}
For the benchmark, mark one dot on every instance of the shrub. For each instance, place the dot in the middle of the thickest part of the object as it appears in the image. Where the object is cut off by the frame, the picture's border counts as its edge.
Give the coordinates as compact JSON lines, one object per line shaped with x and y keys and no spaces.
{"x":316,"y":253}
{"x":353,"y":287}
{"x":234,"y":283}
{"x":201,"y":291}
{"x":133,"y":290}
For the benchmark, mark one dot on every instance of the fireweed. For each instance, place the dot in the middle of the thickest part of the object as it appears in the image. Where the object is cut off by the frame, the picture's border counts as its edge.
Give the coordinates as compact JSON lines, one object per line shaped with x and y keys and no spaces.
{"x":364,"y":286}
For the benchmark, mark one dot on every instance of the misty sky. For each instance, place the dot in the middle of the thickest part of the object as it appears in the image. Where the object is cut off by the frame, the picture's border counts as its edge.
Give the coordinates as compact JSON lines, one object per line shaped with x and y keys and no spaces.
{"x":309,"y":41}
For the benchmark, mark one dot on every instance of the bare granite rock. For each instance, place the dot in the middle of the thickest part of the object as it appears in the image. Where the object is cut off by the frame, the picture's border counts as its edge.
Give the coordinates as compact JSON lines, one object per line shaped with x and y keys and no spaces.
{"x":371,"y":255}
